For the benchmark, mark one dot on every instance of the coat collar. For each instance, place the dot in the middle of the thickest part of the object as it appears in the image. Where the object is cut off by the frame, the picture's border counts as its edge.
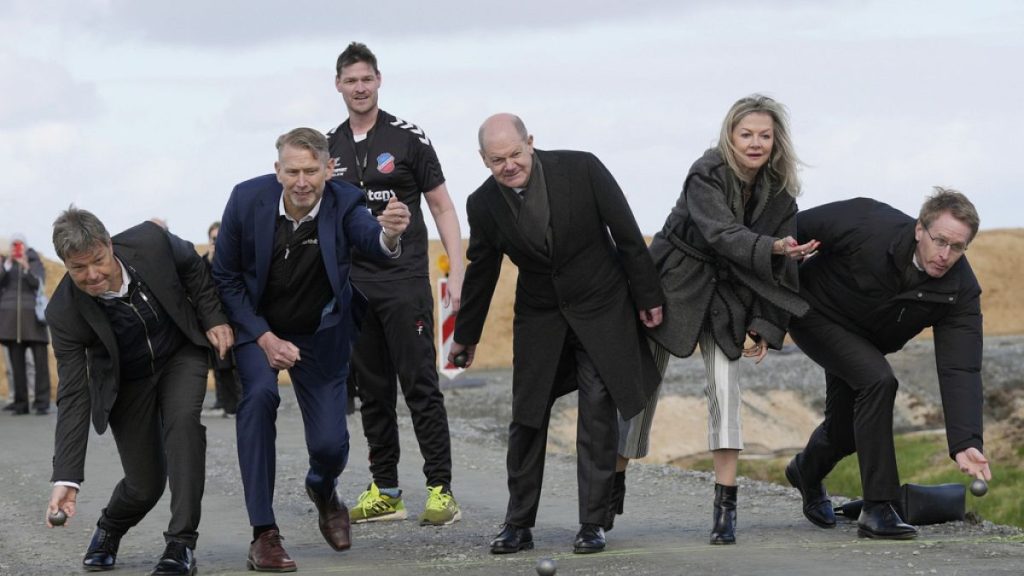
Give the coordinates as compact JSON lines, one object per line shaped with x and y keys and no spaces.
{"x":557,"y":184}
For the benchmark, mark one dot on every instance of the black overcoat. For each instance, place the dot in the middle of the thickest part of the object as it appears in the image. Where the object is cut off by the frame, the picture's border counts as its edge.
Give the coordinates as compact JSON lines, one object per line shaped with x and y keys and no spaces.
{"x":599,"y":274}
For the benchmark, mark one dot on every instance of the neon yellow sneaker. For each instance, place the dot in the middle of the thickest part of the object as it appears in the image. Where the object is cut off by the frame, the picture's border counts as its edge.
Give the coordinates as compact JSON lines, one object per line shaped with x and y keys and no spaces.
{"x":376,"y":507}
{"x":441,"y":508}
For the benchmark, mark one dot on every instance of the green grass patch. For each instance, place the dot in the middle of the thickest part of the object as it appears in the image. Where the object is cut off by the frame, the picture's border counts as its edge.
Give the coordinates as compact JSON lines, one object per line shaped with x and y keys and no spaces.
{"x":922,"y":459}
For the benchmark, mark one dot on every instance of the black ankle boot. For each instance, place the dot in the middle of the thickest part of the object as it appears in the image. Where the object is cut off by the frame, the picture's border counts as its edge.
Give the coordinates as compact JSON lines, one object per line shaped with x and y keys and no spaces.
{"x":724,"y":530}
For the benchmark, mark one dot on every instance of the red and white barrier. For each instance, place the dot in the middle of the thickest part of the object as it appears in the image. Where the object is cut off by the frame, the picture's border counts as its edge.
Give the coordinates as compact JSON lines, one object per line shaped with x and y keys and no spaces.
{"x":445,"y":332}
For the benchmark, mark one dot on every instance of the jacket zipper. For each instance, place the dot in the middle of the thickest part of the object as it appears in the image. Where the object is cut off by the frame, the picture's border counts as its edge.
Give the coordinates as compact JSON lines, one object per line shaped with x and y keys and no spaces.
{"x":149,"y":344}
{"x":151,"y":309}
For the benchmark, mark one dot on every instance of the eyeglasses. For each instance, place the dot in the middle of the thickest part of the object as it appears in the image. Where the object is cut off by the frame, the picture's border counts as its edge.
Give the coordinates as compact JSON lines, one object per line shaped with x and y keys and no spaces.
{"x":941,"y":243}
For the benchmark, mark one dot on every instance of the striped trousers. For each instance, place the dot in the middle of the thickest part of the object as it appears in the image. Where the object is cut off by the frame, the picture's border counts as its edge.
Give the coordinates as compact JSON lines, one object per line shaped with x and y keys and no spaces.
{"x":722,"y":390}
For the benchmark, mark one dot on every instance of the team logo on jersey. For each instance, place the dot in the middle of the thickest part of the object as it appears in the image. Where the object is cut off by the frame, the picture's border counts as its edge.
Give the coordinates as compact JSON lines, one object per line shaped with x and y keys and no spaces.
{"x":385,"y":163}
{"x":339,"y":170}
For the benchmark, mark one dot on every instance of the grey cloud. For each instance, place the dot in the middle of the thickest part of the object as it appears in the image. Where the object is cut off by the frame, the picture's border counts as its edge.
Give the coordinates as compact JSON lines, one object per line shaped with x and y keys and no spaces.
{"x":234,"y":23}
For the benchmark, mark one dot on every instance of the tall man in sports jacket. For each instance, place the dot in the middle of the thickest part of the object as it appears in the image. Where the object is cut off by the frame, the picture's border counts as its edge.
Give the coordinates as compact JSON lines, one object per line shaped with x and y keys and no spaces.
{"x":282,"y":269}
{"x":584,"y":277}
{"x":879,"y":278}
{"x":132,"y":321}
{"x":390,"y":158}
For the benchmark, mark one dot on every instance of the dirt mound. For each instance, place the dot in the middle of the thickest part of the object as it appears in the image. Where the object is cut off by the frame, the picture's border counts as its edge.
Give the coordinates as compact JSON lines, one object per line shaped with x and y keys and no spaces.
{"x":997,"y":257}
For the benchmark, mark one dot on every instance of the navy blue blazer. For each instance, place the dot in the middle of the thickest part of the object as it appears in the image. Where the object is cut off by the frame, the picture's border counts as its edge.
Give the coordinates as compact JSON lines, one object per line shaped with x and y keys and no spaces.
{"x":246,"y":242}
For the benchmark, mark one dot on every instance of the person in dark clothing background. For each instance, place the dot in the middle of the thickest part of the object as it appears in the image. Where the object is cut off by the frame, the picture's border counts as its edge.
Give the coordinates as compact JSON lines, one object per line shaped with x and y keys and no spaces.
{"x":22,"y":277}
{"x":227,"y":387}
{"x":881,"y":277}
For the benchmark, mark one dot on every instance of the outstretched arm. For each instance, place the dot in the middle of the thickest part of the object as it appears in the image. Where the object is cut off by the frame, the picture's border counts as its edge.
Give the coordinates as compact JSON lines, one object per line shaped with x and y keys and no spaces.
{"x":447,"y":222}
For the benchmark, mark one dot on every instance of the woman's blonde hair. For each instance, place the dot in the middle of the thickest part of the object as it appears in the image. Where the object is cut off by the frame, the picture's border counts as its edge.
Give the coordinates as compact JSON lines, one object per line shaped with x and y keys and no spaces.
{"x":782,"y":163}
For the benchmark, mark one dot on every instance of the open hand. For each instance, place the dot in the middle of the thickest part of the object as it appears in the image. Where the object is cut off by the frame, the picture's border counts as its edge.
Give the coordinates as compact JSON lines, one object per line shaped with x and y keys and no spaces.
{"x":789,"y":248}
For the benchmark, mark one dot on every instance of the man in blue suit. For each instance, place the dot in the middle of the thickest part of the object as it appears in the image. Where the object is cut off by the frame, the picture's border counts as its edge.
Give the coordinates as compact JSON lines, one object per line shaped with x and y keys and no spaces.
{"x":282,"y":270}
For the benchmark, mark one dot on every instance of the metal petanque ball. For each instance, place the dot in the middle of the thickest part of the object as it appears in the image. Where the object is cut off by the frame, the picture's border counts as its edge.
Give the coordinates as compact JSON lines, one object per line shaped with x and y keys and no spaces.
{"x":979,"y":487}
{"x":546,"y":567}
{"x":58,"y":518}
{"x":460,"y":360}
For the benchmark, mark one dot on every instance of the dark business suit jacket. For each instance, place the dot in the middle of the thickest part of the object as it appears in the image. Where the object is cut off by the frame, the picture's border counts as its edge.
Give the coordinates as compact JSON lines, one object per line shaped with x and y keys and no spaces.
{"x":246,"y":242}
{"x":598,"y":275}
{"x":88,"y":364}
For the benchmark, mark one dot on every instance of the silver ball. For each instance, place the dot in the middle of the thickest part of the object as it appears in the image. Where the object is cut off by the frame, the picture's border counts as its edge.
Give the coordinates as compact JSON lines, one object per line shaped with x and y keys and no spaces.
{"x":58,"y":518}
{"x":979,"y":487}
{"x":546,"y":567}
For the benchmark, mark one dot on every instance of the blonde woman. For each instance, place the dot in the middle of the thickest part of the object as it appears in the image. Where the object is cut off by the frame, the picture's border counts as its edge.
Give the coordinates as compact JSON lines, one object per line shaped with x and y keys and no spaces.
{"x":728,"y":263}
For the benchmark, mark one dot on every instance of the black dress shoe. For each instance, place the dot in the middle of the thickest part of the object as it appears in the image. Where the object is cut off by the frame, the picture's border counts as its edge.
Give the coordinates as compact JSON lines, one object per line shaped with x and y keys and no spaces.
{"x":880,"y":520}
{"x":589,"y":539}
{"x":178,"y":559}
{"x":817,"y":505}
{"x":512,"y":539}
{"x":102,"y":552}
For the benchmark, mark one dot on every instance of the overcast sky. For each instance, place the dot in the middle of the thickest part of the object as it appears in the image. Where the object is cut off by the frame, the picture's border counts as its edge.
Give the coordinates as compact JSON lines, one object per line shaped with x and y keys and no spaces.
{"x":135,"y":109}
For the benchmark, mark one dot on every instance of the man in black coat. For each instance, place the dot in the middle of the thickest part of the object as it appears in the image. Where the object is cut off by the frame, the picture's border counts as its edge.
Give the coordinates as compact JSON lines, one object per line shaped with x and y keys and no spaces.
{"x":132,"y":321}
{"x":227,"y":387}
{"x":584,"y":276}
{"x":879,"y":278}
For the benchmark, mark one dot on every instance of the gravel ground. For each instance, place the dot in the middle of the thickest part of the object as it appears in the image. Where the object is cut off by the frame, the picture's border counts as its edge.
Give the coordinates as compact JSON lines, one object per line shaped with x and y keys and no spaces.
{"x":664,"y":530}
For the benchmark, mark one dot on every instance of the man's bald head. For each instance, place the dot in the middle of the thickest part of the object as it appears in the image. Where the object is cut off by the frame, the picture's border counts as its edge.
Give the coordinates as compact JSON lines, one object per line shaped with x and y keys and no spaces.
{"x":507,"y":149}
{"x":502,"y":122}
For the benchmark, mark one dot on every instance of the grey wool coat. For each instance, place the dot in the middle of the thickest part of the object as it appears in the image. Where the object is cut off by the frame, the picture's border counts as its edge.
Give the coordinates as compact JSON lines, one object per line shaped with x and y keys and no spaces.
{"x":716,"y":263}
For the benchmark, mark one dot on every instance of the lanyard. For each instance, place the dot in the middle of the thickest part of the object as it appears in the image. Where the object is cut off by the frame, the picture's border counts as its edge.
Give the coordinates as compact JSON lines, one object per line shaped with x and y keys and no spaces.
{"x":361,"y":166}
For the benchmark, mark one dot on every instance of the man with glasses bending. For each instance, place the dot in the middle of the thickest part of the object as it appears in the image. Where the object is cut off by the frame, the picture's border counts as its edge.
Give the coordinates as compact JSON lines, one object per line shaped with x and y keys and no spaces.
{"x":879,"y":279}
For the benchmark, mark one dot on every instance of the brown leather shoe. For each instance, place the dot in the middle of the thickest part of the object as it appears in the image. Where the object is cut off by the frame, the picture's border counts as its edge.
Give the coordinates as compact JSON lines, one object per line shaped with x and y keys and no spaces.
{"x":266,"y":554}
{"x":334,"y":521}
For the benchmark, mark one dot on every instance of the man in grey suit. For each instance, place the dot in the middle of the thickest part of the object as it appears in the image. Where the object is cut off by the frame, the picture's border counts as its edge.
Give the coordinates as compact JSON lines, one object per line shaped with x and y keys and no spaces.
{"x":584,"y":277}
{"x":132,"y":321}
